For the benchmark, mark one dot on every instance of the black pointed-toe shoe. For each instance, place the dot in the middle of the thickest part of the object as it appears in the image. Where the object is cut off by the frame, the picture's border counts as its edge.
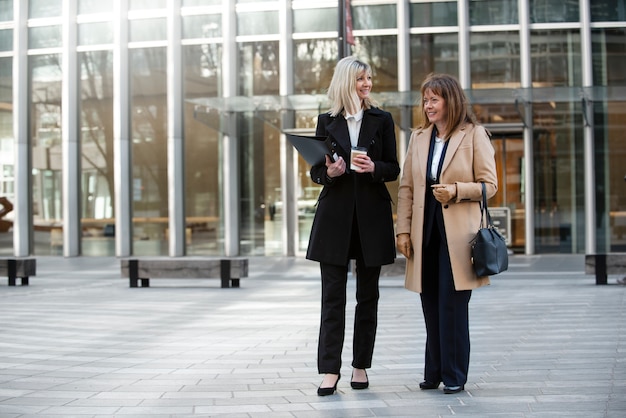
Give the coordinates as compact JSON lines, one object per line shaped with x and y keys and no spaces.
{"x":452,"y":389}
{"x":360,"y":385}
{"x":329,"y":390}
{"x":426,"y":385}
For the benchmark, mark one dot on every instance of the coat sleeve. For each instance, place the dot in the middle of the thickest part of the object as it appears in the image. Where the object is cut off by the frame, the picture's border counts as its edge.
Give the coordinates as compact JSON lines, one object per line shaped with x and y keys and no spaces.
{"x":484,"y":166}
{"x":405,"y":192}
{"x":318,"y":171}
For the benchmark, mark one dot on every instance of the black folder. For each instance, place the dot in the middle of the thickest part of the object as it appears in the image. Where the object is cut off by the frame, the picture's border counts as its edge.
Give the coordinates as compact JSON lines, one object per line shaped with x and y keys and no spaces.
{"x":313,"y":148}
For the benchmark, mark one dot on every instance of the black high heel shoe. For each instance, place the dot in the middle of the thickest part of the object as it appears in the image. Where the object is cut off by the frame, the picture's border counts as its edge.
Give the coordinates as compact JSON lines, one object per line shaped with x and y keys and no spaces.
{"x":330,"y":390}
{"x":360,"y":385}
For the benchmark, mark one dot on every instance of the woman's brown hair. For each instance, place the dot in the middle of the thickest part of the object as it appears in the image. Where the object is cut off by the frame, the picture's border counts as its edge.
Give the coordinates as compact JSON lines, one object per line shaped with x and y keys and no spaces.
{"x":457,"y":104}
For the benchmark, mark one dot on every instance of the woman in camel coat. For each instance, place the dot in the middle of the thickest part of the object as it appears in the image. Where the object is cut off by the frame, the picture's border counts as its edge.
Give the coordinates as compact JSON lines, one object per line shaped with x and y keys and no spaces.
{"x":438,"y":215}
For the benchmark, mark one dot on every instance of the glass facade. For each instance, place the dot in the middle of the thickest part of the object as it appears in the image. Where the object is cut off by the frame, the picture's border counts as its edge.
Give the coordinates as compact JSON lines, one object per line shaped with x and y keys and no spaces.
{"x":242,"y":73}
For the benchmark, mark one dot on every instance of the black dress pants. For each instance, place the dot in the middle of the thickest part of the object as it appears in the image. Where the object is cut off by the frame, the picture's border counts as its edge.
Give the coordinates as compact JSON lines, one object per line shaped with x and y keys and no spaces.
{"x":333,"y":316}
{"x":446,"y":316}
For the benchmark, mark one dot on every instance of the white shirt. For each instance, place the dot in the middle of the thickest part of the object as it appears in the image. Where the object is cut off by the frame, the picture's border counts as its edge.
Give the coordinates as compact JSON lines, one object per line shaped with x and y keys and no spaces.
{"x":436,"y":157}
{"x":354,"y":126}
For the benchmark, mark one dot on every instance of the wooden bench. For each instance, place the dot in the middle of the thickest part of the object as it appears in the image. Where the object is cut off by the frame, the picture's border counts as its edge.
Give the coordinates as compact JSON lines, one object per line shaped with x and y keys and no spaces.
{"x":21,"y":268}
{"x":141,"y":270}
{"x":604,"y":264}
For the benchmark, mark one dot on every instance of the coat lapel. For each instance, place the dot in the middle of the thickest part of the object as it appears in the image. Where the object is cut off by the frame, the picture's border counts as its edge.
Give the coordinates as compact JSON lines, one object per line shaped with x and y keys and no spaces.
{"x":423,"y":148}
{"x":455,"y":142}
{"x":338,"y":129}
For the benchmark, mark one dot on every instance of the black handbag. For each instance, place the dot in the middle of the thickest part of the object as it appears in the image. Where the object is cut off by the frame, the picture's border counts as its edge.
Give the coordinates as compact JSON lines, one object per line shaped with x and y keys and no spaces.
{"x":489,"y":252}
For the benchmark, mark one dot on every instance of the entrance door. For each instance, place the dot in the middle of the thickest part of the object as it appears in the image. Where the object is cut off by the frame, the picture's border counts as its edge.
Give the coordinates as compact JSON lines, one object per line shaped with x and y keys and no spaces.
{"x":509,"y":164}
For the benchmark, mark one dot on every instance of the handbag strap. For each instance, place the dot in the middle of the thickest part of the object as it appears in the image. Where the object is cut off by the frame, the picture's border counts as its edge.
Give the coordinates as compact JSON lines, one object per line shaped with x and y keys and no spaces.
{"x":483,"y":208}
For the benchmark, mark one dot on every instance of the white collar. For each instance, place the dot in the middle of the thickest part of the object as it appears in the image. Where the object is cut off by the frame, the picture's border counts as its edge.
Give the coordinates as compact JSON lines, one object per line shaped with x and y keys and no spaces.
{"x":357,"y":116}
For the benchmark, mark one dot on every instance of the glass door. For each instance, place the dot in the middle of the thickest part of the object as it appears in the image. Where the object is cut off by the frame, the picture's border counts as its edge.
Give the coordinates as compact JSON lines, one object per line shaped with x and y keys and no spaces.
{"x":507,"y":206}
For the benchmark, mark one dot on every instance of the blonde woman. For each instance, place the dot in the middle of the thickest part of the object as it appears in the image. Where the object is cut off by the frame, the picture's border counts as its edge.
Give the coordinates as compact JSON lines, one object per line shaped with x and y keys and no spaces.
{"x":353,"y":219}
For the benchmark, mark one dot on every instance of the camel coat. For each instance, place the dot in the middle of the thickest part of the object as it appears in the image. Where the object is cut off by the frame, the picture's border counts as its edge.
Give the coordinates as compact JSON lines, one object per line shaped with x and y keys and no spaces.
{"x":469,"y":160}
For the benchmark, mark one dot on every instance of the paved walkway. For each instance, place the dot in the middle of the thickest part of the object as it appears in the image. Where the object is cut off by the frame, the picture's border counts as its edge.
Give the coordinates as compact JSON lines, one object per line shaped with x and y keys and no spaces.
{"x":78,"y":342}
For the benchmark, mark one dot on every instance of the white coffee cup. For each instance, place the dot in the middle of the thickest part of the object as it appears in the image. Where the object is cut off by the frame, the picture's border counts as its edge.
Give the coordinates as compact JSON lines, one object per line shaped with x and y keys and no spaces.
{"x":354,"y":152}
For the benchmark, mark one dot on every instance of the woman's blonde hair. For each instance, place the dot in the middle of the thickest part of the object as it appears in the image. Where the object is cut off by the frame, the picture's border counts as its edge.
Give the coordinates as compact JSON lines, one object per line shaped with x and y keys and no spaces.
{"x":342,"y":89}
{"x":457,"y":104}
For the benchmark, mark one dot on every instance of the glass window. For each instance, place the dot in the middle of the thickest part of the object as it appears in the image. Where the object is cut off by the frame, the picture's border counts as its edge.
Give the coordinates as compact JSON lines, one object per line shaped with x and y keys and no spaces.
{"x":45,"y":132}
{"x":6,"y":82}
{"x":203,"y":194}
{"x":424,"y":15}
{"x":7,"y":180}
{"x":95,"y":33}
{"x":94,"y":6}
{"x":6,"y":40}
{"x":609,"y":50}
{"x":549,"y":11}
{"x":555,"y":56}
{"x":202,"y":26}
{"x":558,"y":177}
{"x":149,"y":153}
{"x":608,"y":11}
{"x":495,"y":59}
{"x":433,"y":53}
{"x":314,"y":63}
{"x":6,"y":10}
{"x":315,"y":20}
{"x":257,"y":23}
{"x":96,"y":145}
{"x":259,"y":71}
{"x":259,"y":136}
{"x":380,"y":52}
{"x":374,"y":17}
{"x":609,"y":69}
{"x":44,"y":8}
{"x":146,"y":4}
{"x":609,"y":127}
{"x":148,"y":30}
{"x":493,"y":12}
{"x":44,"y":37}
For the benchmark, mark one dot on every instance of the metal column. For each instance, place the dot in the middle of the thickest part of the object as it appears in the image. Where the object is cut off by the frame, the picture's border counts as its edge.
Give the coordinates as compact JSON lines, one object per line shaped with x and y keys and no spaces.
{"x":72,"y":234}
{"x":121,"y":132}
{"x":589,"y":140}
{"x":22,"y":207}
{"x":175,"y":131}
{"x":527,"y":116}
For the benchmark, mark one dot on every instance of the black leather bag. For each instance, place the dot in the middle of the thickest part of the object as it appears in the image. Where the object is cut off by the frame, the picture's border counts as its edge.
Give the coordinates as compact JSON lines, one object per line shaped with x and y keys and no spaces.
{"x":489,"y":252}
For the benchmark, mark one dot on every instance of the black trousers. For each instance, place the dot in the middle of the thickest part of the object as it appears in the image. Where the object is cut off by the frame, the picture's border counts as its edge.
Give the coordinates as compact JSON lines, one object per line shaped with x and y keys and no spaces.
{"x":446,"y":316}
{"x":333,"y":316}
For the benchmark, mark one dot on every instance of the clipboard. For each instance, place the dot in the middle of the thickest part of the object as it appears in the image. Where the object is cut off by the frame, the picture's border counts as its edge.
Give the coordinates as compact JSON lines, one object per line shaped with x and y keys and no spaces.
{"x":313,"y":148}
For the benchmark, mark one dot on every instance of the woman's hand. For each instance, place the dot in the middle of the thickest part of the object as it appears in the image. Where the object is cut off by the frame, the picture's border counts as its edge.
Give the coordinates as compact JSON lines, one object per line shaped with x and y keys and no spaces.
{"x":335,"y":169}
{"x":363,"y":163}
{"x":403,"y":244}
{"x":444,"y":192}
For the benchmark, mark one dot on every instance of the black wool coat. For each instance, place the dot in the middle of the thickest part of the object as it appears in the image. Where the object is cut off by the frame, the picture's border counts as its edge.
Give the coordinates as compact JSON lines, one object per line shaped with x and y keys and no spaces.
{"x":363,"y":195}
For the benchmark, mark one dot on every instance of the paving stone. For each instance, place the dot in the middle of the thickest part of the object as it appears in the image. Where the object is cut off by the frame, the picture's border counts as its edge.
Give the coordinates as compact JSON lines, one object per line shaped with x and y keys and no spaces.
{"x":546,"y":342}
